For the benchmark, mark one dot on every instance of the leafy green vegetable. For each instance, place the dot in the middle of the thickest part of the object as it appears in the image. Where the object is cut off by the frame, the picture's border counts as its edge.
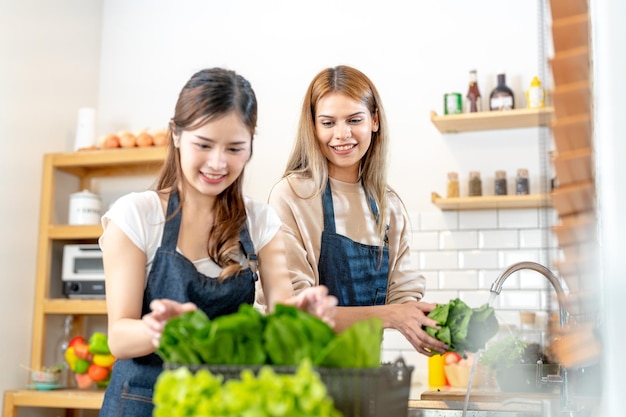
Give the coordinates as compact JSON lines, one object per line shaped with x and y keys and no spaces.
{"x":180,"y":393}
{"x":463,"y":329}
{"x":356,"y":347}
{"x":286,"y":337}
{"x":511,"y":350}
{"x":292,"y":335}
{"x":503,"y":353}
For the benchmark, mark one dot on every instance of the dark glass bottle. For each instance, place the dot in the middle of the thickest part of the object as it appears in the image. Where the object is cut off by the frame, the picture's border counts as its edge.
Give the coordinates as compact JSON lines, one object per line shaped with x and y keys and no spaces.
{"x":501,"y":97}
{"x":473,"y":101}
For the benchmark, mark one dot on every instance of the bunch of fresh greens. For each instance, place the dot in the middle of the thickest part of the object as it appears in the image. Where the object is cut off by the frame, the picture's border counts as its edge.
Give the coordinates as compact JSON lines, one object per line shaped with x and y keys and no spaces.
{"x":285,"y":337}
{"x":181,"y":393}
{"x":462,"y":328}
{"x":511,"y":350}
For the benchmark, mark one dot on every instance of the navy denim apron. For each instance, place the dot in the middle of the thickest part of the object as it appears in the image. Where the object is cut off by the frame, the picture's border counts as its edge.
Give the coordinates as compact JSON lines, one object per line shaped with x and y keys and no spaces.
{"x":175,"y":277}
{"x":355,"y":273}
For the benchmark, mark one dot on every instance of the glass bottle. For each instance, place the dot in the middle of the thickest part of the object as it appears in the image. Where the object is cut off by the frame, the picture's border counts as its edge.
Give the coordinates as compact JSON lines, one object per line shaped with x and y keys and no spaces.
{"x":453,"y":184}
{"x":501,"y":97}
{"x":521,"y":182}
{"x":535,"y":95}
{"x":61,"y":346}
{"x":475,"y":184}
{"x":473,"y":101}
{"x":500,"y":183}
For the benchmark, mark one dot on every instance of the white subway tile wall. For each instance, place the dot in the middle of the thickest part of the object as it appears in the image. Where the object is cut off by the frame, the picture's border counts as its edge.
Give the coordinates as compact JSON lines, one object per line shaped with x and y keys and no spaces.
{"x":461,"y":253}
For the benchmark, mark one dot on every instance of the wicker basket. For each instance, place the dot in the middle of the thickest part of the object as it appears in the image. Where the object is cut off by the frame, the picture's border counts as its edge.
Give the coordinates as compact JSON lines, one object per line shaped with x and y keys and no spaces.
{"x":367,"y":392}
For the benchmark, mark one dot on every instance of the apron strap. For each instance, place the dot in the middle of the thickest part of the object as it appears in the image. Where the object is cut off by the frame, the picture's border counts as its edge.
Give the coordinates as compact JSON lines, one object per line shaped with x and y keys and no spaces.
{"x":248,"y":250}
{"x":328,"y":209}
{"x":172,"y":224}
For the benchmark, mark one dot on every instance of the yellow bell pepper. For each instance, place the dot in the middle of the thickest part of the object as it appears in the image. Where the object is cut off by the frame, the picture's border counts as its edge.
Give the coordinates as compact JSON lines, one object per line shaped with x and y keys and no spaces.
{"x":71,"y":358}
{"x":103,"y":360}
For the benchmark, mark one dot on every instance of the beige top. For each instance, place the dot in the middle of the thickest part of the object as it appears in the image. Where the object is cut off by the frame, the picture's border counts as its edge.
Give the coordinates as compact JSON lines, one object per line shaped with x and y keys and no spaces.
{"x":303,"y":221}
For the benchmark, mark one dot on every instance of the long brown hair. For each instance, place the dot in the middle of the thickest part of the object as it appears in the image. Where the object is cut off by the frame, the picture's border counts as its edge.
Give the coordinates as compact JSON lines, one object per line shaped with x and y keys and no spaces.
{"x":306,"y":157}
{"x":208,"y":95}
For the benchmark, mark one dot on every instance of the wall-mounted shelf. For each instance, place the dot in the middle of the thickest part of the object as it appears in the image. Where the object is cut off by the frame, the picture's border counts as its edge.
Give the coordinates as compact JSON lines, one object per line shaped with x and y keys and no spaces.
{"x":80,"y":399}
{"x":492,"y":120}
{"x":491,"y":202}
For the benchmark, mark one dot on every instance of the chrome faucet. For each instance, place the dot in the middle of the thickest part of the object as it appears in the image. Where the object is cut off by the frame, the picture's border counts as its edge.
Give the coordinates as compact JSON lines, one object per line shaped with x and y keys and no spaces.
{"x":496,"y":288}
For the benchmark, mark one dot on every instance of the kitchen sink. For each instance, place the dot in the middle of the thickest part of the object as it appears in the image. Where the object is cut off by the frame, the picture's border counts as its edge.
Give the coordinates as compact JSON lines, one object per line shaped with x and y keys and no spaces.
{"x":521,"y":408}
{"x":470,"y":413}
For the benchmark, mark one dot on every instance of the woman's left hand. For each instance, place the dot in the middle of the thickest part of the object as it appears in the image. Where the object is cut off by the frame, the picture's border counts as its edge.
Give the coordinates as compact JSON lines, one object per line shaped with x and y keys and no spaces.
{"x":316,"y":301}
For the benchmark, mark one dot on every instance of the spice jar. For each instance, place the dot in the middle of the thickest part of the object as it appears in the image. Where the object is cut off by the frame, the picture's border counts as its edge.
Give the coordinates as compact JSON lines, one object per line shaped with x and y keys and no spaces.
{"x":453,"y":184}
{"x":500,"y":183}
{"x":521,"y":182}
{"x":475,"y":184}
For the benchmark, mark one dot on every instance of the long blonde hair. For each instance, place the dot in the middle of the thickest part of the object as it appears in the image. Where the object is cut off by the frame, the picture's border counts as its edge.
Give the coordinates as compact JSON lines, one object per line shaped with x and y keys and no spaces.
{"x":308,"y":161}
{"x":208,"y":95}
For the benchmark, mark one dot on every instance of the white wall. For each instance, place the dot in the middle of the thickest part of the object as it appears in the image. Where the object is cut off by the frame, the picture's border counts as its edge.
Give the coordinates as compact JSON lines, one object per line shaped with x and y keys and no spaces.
{"x":414,"y":52}
{"x":49,"y":58}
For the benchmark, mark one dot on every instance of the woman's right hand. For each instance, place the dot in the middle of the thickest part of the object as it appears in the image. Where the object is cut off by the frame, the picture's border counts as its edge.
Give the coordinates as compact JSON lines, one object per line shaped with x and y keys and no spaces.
{"x":161,"y":311}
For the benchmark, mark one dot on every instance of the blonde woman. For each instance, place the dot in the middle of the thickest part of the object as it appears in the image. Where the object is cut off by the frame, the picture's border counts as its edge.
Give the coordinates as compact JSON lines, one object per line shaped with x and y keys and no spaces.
{"x":346,"y":228}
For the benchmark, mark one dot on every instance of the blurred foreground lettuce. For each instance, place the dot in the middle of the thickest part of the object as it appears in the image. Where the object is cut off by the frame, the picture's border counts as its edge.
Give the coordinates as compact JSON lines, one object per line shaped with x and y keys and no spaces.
{"x":181,"y":393}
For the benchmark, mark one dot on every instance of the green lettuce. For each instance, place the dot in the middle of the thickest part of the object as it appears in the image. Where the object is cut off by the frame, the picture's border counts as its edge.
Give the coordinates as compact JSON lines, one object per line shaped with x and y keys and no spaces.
{"x":463,"y":329}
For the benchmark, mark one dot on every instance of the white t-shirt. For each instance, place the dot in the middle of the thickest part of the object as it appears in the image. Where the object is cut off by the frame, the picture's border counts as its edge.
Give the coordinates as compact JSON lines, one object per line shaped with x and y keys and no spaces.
{"x":141,"y":217}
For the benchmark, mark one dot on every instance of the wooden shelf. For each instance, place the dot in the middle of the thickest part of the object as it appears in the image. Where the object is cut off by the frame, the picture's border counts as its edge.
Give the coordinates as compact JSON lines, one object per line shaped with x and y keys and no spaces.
{"x":573,"y":166}
{"x":110,"y":162}
{"x":572,"y":99}
{"x":87,"y":167}
{"x":74,"y":306}
{"x":570,"y":32}
{"x":491,"y":202}
{"x":571,"y":66}
{"x":576,"y":228}
{"x":63,"y":398}
{"x":574,"y":198}
{"x":566,"y":8}
{"x":69,"y":232}
{"x":571,"y":133}
{"x":492,"y":120}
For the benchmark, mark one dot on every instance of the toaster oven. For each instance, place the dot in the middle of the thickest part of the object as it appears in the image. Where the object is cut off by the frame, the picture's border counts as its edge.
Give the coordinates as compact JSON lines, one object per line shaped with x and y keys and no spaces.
{"x":83,"y":271}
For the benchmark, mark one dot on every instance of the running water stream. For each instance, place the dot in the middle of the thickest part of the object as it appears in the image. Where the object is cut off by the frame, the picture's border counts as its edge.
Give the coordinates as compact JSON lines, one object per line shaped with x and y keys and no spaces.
{"x":492,"y":298}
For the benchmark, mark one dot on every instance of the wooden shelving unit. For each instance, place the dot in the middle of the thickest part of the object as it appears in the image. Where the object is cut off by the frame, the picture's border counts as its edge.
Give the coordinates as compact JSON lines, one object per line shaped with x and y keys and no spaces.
{"x":492,"y":120}
{"x":491,"y":202}
{"x":85,"y":166}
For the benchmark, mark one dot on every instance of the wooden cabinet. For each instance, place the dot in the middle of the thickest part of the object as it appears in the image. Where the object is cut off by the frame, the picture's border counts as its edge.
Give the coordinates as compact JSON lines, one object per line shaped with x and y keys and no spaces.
{"x":486,"y":120}
{"x":84,"y":167}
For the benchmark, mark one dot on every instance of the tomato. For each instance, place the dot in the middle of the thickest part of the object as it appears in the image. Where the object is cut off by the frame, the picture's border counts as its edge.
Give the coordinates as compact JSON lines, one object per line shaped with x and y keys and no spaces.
{"x":81,"y":350}
{"x":451,"y":358}
{"x":76,"y":339}
{"x":97,"y":373}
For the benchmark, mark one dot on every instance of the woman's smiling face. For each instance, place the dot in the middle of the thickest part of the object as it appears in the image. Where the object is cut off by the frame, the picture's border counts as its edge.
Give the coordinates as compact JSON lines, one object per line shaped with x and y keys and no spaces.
{"x":214,"y":155}
{"x":343,"y":128}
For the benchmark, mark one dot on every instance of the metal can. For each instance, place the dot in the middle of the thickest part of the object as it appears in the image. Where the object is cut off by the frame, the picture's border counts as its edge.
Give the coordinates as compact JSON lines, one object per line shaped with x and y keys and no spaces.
{"x":452,"y":103}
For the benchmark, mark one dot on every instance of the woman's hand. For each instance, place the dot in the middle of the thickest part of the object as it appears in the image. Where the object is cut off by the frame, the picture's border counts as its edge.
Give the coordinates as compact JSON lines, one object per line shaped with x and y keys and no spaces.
{"x":316,"y":301}
{"x":162,"y":311}
{"x":408,"y":318}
